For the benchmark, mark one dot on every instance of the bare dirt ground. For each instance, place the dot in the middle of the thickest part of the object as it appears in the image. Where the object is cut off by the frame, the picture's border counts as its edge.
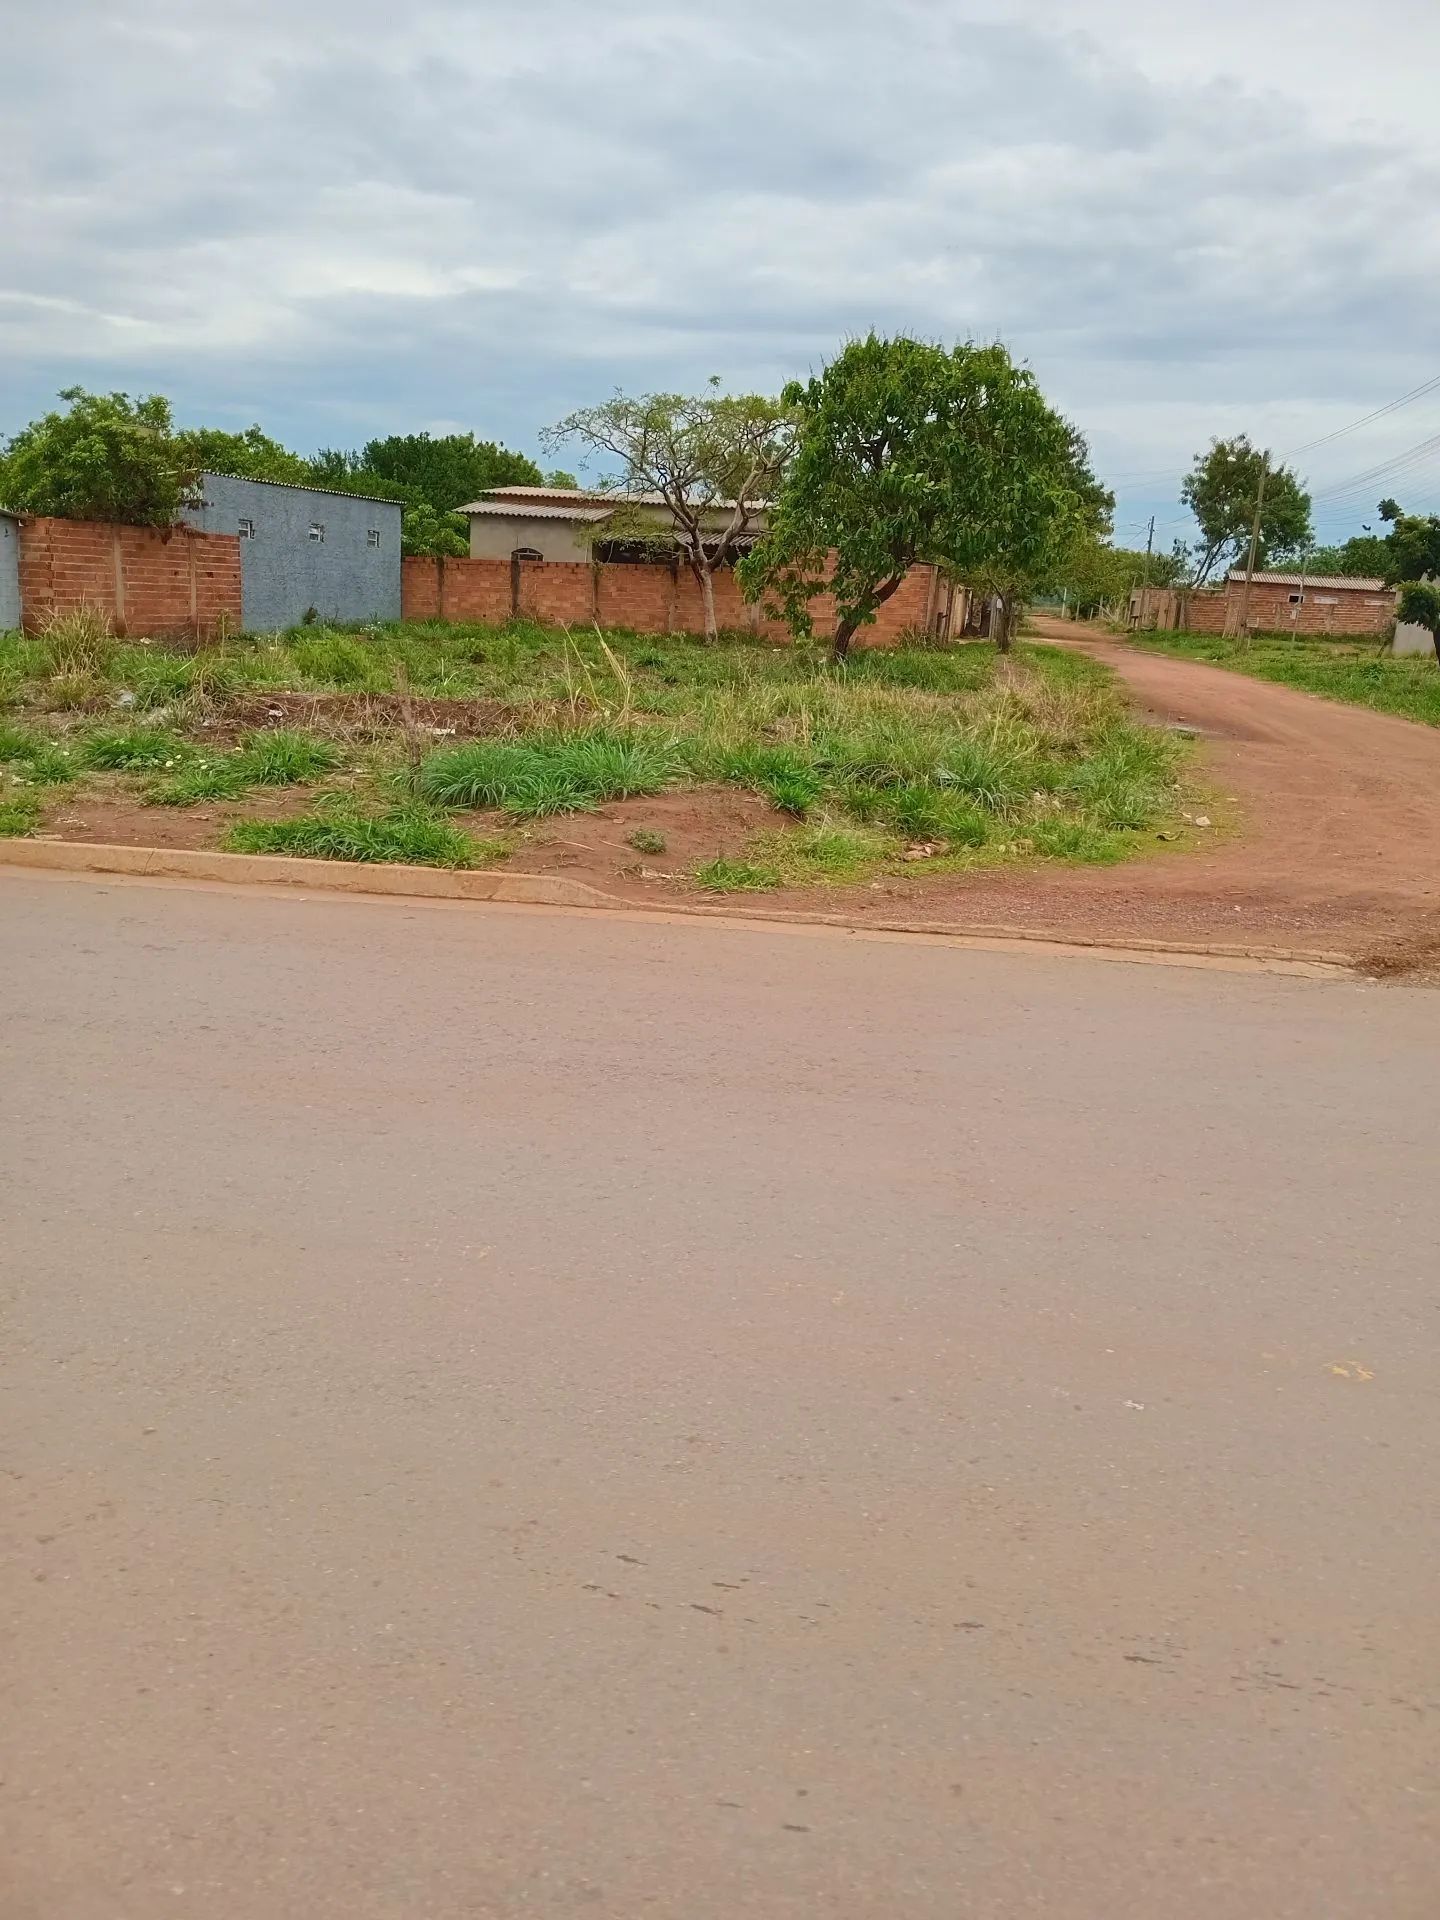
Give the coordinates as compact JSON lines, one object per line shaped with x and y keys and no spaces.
{"x":1326,"y":835}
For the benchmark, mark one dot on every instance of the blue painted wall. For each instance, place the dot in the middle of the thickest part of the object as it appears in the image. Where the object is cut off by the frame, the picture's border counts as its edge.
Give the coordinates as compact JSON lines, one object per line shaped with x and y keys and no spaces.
{"x":284,"y":571}
{"x":9,"y":573}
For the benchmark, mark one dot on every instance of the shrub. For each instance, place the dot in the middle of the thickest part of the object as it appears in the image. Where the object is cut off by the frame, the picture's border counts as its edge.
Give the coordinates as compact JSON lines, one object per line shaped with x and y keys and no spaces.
{"x":646,"y":840}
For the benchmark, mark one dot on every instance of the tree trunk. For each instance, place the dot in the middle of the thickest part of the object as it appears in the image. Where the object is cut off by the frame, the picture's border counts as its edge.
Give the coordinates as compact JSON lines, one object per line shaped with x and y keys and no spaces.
{"x":845,"y":631}
{"x":1002,"y":623}
{"x":707,"y":595}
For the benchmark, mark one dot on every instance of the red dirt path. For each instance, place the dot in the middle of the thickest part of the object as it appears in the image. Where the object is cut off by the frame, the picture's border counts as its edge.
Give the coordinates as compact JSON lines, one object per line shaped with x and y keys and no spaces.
{"x":1337,"y":848}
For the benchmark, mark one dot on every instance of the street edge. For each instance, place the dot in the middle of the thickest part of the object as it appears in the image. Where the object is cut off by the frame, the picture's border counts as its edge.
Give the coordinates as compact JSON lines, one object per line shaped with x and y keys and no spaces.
{"x":550,"y":890}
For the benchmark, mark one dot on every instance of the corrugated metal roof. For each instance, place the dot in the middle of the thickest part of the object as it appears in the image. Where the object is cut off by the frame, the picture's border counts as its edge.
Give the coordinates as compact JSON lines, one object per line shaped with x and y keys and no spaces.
{"x":1326,"y":580}
{"x":300,"y":486}
{"x":533,"y":510}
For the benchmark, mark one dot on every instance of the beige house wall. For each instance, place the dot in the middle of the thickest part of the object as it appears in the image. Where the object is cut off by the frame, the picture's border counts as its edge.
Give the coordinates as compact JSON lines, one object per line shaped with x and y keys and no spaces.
{"x":492,"y":538}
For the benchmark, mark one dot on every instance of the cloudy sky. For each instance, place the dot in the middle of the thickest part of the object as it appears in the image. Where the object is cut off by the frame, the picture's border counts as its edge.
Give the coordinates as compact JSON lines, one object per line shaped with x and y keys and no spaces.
{"x":352,"y":217}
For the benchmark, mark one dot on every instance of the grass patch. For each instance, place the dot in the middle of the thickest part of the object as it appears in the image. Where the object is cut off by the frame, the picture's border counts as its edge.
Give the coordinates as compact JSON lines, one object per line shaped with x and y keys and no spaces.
{"x":982,"y":757}
{"x":550,"y":773}
{"x":1352,"y":672}
{"x":34,"y":758}
{"x":646,"y":840}
{"x":133,"y":749}
{"x":281,"y":758}
{"x":18,"y":814}
{"x":409,"y":836}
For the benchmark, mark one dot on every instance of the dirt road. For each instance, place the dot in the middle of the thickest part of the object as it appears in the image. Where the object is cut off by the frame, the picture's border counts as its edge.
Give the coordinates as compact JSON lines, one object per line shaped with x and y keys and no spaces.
{"x":523,"y":1415}
{"x":1338,"y":847}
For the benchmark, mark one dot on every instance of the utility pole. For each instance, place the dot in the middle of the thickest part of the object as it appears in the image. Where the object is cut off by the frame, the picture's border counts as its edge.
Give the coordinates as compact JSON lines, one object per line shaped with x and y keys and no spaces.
{"x":1145,"y":577}
{"x":1254,"y":544}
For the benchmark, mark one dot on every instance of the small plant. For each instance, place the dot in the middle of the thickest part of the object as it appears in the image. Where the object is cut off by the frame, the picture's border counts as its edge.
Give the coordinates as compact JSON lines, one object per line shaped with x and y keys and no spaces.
{"x":647,"y":840}
{"x":223,"y":777}
{"x":285,"y":757}
{"x":78,"y":642}
{"x":18,"y":815}
{"x":737,"y":876}
{"x":132,"y":749}
{"x":406,"y":835}
{"x":42,"y":762}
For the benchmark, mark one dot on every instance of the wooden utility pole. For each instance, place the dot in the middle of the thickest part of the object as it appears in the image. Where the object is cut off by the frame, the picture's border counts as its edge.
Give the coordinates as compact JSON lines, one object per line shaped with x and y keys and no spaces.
{"x":1254,"y":544}
{"x":1145,"y":577}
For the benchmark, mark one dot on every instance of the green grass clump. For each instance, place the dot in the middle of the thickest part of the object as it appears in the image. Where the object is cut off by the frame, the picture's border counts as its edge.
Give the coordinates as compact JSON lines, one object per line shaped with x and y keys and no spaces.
{"x":737,"y":876}
{"x":18,"y":815}
{"x":407,"y":835}
{"x":286,"y":757}
{"x":133,"y":749}
{"x":647,"y":840}
{"x":549,"y":773}
{"x":42,"y":762}
{"x":281,"y":758}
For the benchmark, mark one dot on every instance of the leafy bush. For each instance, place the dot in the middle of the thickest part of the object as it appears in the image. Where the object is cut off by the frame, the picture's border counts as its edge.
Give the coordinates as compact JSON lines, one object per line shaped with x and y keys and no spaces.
{"x":107,"y":457}
{"x":646,"y":840}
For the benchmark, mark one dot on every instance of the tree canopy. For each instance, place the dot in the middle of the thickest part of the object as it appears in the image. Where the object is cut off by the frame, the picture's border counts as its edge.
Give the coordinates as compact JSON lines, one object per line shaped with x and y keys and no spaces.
{"x":1221,"y":489}
{"x":909,"y":451}
{"x":446,"y":470}
{"x":713,"y":460}
{"x":1093,"y":574}
{"x":250,"y":453}
{"x":106,"y":457}
{"x":1413,"y":548}
{"x":1420,"y":606}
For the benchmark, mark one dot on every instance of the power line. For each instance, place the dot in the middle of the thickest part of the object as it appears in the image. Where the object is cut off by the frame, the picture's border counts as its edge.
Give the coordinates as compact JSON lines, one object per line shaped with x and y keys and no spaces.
{"x":1392,"y":406}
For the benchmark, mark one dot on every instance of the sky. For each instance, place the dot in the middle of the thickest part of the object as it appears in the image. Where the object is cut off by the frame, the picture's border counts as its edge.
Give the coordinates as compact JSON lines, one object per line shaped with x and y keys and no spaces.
{"x":350,"y":218}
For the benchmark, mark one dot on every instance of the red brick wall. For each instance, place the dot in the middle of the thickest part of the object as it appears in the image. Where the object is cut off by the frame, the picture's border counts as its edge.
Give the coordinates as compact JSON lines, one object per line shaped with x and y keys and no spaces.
{"x":169,"y":583}
{"x":1337,"y":610}
{"x":645,"y":599}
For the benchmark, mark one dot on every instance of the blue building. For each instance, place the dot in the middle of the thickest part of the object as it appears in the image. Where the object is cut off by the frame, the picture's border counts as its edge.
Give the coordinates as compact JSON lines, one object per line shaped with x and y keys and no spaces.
{"x":9,"y":571}
{"x":304,"y":550}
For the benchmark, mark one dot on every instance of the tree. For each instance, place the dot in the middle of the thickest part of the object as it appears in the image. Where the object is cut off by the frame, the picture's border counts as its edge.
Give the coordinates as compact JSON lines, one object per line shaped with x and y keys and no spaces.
{"x":558,"y":477}
{"x":908,"y":452}
{"x":448,"y":470}
{"x":713,"y":461}
{"x":1221,"y":490}
{"x":1420,"y":606}
{"x":1093,"y":574}
{"x":423,"y":530}
{"x":250,"y":453}
{"x":1412,"y":548}
{"x":107,"y":457}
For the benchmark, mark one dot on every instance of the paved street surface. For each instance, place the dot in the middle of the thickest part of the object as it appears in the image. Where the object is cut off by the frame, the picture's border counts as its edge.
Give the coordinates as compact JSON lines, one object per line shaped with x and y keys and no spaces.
{"x":520,"y":1414}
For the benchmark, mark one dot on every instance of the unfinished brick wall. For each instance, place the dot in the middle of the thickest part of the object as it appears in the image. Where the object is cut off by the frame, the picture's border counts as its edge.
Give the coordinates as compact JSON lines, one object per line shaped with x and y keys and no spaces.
{"x":644,"y":599}
{"x":1332,"y":610}
{"x":171,"y":582}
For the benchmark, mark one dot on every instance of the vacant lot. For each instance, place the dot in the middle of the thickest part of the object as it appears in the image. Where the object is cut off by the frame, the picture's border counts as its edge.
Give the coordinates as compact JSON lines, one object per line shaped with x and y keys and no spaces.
{"x":735,"y":767}
{"x":1351,"y":670}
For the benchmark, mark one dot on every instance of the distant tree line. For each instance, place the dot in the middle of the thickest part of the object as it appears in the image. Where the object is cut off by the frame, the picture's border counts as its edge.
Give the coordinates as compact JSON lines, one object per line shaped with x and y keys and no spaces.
{"x":108,"y":457}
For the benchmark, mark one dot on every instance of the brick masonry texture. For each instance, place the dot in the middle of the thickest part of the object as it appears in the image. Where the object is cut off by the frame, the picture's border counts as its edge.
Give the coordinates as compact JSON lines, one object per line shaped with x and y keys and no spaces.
{"x":642,"y":598}
{"x":1329,"y":610}
{"x":171,"y":584}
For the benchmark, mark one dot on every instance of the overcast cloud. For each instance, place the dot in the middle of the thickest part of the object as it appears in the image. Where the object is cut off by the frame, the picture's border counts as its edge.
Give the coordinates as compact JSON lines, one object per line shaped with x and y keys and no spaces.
{"x":350,"y":217}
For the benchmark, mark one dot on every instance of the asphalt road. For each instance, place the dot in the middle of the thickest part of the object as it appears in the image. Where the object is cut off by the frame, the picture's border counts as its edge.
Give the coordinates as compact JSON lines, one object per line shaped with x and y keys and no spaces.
{"x":518,"y":1414}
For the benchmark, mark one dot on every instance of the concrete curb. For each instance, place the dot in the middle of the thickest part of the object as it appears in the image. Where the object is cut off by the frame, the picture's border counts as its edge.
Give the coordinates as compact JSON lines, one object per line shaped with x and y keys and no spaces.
{"x":332,"y":876}
{"x":549,"y":890}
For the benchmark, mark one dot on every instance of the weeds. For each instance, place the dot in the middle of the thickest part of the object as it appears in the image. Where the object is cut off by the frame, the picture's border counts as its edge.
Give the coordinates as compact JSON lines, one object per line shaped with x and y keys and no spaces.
{"x":133,"y":749}
{"x":646,"y":840}
{"x":19,"y":813}
{"x":549,"y":773}
{"x":78,"y":642}
{"x":40,"y":762}
{"x":406,"y":835}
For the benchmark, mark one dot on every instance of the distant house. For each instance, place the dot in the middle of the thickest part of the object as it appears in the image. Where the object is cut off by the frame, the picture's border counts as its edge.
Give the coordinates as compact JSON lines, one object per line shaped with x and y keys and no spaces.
{"x":304,"y":548}
{"x":1296,"y":602}
{"x":567,"y":523}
